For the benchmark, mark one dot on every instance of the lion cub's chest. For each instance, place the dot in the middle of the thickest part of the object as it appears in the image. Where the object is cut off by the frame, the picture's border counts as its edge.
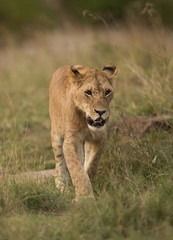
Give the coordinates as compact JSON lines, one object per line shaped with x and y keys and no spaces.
{"x":93,"y":136}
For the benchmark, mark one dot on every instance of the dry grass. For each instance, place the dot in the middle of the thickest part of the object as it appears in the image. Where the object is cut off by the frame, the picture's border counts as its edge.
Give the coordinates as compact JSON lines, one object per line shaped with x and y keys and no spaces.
{"x":133,"y":185}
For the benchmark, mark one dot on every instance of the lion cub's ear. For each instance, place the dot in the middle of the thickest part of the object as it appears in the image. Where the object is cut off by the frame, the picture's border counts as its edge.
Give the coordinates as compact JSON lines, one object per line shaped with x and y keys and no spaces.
{"x":110,"y":70}
{"x":77,"y":71}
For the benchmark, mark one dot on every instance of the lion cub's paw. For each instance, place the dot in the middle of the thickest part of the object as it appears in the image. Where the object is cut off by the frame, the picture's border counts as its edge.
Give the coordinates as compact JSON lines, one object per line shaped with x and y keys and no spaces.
{"x":61,"y":186}
{"x":83,"y":198}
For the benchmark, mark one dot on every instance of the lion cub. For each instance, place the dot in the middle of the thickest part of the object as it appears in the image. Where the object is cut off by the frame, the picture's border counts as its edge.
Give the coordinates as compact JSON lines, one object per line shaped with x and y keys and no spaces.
{"x":79,"y":112}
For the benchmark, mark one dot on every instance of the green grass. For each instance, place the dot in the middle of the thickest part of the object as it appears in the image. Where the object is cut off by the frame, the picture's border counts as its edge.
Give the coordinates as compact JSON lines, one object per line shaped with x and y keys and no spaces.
{"x":23,"y":16}
{"x":133,"y":186}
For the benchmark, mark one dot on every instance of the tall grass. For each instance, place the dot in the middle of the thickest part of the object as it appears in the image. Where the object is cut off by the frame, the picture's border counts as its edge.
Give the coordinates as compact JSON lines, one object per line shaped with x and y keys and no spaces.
{"x":133,"y":186}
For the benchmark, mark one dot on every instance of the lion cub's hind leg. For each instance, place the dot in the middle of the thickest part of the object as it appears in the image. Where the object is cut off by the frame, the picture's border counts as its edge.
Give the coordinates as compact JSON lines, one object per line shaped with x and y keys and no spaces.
{"x":61,"y":172}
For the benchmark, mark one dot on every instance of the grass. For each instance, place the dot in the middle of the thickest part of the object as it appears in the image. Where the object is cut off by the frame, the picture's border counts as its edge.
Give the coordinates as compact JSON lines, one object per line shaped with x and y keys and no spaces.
{"x":133,"y":186}
{"x":22,"y":16}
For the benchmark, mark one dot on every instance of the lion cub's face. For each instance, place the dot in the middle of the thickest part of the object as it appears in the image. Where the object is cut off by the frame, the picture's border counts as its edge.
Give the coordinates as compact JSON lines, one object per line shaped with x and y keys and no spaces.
{"x":93,"y":93}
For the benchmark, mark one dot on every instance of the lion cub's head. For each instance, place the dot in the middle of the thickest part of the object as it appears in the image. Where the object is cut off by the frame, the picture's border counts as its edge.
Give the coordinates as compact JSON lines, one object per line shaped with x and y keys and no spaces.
{"x":93,"y":93}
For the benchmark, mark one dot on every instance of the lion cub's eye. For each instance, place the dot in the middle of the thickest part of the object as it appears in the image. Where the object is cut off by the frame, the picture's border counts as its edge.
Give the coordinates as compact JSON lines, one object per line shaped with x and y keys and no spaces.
{"x":88,"y":93}
{"x":107,"y":92}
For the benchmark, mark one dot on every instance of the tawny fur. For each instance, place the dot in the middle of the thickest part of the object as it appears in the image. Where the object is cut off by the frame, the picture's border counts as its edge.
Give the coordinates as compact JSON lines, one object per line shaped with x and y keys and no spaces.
{"x":78,"y":146}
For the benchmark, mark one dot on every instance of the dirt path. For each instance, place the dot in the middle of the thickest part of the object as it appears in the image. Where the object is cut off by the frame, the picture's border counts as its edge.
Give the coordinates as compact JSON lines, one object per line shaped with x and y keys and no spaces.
{"x":35,"y":175}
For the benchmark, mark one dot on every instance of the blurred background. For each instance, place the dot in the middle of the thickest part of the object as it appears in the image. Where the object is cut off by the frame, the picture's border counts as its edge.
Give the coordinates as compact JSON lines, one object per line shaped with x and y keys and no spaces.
{"x":30,"y":15}
{"x":37,"y":36}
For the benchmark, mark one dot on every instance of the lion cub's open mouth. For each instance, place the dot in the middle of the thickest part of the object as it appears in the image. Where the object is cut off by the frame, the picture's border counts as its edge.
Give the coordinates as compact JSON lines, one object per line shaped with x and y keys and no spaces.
{"x":99,"y":122}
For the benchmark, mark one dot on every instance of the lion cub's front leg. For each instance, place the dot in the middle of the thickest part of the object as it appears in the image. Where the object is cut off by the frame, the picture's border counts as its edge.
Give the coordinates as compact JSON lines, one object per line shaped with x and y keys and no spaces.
{"x":78,"y":175}
{"x":93,"y":151}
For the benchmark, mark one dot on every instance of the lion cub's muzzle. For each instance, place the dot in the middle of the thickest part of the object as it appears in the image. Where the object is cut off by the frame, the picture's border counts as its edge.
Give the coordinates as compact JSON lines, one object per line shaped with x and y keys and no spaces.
{"x":99,"y":122}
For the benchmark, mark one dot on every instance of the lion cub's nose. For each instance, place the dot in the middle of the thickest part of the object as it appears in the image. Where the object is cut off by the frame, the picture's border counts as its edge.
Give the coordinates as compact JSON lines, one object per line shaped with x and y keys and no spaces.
{"x":100,"y":112}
